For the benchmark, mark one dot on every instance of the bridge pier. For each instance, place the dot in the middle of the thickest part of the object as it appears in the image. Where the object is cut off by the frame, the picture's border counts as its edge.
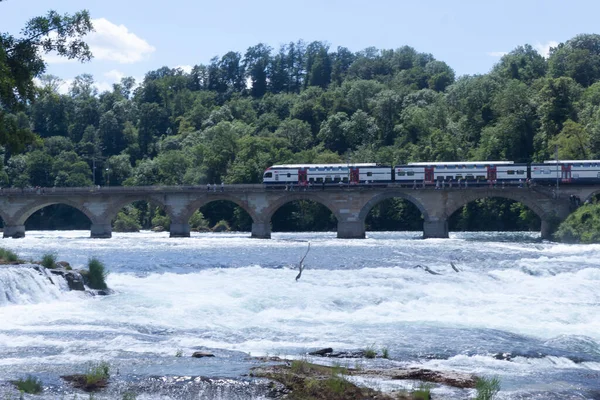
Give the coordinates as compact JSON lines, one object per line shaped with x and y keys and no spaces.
{"x":179,"y":230}
{"x":101,"y":231}
{"x":435,"y":228}
{"x":547,"y":229}
{"x":351,"y":230}
{"x":14,"y":231}
{"x":261,"y":230}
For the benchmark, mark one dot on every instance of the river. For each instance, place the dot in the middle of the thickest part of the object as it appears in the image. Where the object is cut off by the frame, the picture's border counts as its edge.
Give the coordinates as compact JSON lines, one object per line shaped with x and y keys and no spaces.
{"x":235,"y":296}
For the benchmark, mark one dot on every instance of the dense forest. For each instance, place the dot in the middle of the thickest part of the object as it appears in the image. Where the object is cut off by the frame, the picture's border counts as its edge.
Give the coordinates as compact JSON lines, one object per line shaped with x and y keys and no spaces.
{"x":304,"y":103}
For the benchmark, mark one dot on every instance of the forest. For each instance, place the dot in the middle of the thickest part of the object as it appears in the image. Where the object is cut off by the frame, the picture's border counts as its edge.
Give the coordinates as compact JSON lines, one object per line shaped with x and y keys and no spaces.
{"x":228,"y":120}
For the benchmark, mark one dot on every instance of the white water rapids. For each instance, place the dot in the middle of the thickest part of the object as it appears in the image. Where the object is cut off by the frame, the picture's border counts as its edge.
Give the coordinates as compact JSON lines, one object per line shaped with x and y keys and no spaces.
{"x":232,"y":295}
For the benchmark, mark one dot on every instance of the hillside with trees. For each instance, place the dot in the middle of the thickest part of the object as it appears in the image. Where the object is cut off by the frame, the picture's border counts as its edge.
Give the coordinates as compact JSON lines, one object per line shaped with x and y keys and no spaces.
{"x":300,"y":103}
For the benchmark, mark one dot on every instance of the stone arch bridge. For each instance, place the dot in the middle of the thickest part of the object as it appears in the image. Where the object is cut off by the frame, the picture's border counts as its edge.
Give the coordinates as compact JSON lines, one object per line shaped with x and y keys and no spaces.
{"x":350,"y":205}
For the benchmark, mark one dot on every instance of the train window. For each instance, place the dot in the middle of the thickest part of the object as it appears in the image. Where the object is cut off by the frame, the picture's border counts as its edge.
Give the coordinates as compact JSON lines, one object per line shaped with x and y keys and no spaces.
{"x":328,"y":180}
{"x":401,"y":173}
{"x":449,"y":177}
{"x":289,"y":175}
{"x":345,"y":179}
{"x":311,"y":179}
{"x":481,"y":177}
{"x":336,"y":179}
{"x":470,"y":177}
{"x":268,"y":175}
{"x":520,"y":172}
{"x":369,"y":174}
{"x":319,"y":180}
{"x":410,"y":173}
{"x":510,"y":172}
{"x":586,"y":165}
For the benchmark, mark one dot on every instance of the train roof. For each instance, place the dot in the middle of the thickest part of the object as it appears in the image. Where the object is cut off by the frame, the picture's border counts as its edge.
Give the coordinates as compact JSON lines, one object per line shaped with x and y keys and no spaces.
{"x":461,"y":163}
{"x":570,"y":161}
{"x":325,"y":165}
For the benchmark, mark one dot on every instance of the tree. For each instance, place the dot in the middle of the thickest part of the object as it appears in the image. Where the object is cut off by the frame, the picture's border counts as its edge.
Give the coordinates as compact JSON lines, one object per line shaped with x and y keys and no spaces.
{"x":256,"y":63}
{"x":523,"y":63}
{"x":577,"y":58}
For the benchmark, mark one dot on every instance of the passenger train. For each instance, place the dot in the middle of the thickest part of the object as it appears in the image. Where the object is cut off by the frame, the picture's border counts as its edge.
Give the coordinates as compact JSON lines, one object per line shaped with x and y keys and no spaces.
{"x":434,"y":173}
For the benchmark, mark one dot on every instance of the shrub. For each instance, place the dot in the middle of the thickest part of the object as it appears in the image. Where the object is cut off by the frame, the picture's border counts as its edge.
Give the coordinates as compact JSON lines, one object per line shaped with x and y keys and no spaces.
{"x":370,"y":352}
{"x":49,"y":260}
{"x":127,"y":221}
{"x":385,"y":352}
{"x":197,"y":221}
{"x":97,"y":373}
{"x":487,"y":388}
{"x":96,"y":276}
{"x":221,"y":226}
{"x":29,"y":385}
{"x":8,"y":255}
{"x":582,"y":226}
{"x":161,"y":220}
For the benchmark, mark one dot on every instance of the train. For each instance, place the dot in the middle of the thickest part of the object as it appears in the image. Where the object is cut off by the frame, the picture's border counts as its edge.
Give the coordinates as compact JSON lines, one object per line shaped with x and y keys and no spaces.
{"x":435,"y":173}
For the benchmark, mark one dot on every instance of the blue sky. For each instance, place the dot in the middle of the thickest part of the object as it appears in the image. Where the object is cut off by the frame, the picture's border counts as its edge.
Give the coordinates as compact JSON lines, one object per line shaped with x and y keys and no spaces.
{"x":133,"y":38}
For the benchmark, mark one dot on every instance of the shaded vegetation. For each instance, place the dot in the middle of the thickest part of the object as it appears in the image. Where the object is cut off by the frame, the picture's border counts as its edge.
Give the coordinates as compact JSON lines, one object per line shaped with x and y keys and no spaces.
{"x":582,"y":226}
{"x":30,"y":385}
{"x":49,"y":260}
{"x":8,"y":256}
{"x":96,"y":274}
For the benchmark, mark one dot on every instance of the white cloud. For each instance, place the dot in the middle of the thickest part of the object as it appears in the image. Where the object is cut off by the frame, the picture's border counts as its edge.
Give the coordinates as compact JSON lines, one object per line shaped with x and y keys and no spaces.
{"x":497,"y":53}
{"x":110,"y":42}
{"x":544,"y":48}
{"x":114,"y":75}
{"x":185,"y":68}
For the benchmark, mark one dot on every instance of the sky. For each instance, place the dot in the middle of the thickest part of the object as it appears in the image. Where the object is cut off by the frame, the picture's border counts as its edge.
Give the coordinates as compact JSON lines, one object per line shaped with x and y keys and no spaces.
{"x":132,"y":37}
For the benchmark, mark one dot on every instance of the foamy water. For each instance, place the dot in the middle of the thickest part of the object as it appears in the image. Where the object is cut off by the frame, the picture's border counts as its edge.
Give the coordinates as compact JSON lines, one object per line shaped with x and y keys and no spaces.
{"x":234,"y":295}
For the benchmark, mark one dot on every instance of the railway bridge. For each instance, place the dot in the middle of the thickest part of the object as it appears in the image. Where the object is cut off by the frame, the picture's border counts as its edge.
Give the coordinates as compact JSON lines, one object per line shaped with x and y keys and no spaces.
{"x":349,"y":204}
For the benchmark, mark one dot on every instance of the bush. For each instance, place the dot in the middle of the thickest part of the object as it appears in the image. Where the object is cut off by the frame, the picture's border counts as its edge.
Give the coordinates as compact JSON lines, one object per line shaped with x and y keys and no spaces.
{"x":7,"y":255}
{"x":385,"y":352}
{"x":29,"y":385}
{"x":370,"y":352}
{"x":97,"y":373}
{"x":161,"y":220}
{"x":487,"y":388}
{"x":49,"y":260}
{"x":96,"y":276}
{"x":127,"y":221}
{"x":423,"y":392}
{"x":197,"y":221}
{"x":221,"y":226}
{"x":582,"y":226}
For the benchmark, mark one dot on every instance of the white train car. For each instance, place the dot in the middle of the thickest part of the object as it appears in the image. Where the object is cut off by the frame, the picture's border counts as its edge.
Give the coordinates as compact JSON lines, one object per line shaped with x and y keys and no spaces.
{"x":303,"y":174}
{"x":567,"y":171}
{"x":469,"y":171}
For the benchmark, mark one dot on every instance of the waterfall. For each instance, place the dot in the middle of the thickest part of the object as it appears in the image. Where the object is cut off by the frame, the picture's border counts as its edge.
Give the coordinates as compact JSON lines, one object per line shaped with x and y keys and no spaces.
{"x":28,"y":284}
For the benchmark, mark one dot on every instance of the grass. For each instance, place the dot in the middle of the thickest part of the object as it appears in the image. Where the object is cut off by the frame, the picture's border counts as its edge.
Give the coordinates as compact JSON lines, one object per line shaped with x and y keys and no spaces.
{"x":370,"y":351}
{"x":487,"y":388}
{"x":49,"y":260}
{"x":96,"y":276}
{"x":385,"y":352}
{"x":29,"y":385}
{"x":97,"y":373}
{"x":8,"y":255}
{"x":423,"y":392}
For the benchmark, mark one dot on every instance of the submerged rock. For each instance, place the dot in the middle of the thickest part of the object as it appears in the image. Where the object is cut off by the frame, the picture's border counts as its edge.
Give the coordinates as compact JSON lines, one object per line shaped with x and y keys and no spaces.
{"x":321,"y":352}
{"x":74,"y":279}
{"x":201,"y":354}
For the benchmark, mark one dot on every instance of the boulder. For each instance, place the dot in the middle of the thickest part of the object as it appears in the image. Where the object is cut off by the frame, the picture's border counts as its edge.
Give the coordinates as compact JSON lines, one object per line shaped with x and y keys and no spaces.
{"x":201,"y":354}
{"x":64,"y":265}
{"x":321,"y":352}
{"x":158,"y":229}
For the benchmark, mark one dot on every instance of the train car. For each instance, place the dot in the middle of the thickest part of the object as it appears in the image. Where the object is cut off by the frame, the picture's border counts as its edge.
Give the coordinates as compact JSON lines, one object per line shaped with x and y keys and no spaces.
{"x":472,"y":172}
{"x":303,"y":174}
{"x":567,"y":171}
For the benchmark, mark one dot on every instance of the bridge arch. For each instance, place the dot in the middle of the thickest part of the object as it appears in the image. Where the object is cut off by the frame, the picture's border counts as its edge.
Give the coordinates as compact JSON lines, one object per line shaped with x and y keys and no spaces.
{"x":268,"y":213}
{"x":27,"y":211}
{"x":362,"y":216}
{"x":591,"y":196}
{"x":470,"y":196}
{"x":220,"y":196}
{"x":111,"y":213}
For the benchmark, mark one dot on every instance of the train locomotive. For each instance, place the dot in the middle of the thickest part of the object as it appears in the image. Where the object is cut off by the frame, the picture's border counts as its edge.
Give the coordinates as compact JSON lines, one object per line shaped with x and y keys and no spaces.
{"x":433,"y":173}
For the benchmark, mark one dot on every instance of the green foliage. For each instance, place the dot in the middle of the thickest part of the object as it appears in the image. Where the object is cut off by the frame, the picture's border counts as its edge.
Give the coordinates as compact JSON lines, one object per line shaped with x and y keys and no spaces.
{"x":385,"y":352}
{"x":127,"y":220}
{"x":49,"y":260}
{"x":582,"y":226}
{"x":221,"y":226}
{"x":8,"y":255}
{"x":487,"y":388}
{"x":31,"y":385}
{"x":197,"y":221}
{"x":370,"y":352}
{"x":96,"y":373}
{"x":97,"y":273}
{"x":422,"y":392}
